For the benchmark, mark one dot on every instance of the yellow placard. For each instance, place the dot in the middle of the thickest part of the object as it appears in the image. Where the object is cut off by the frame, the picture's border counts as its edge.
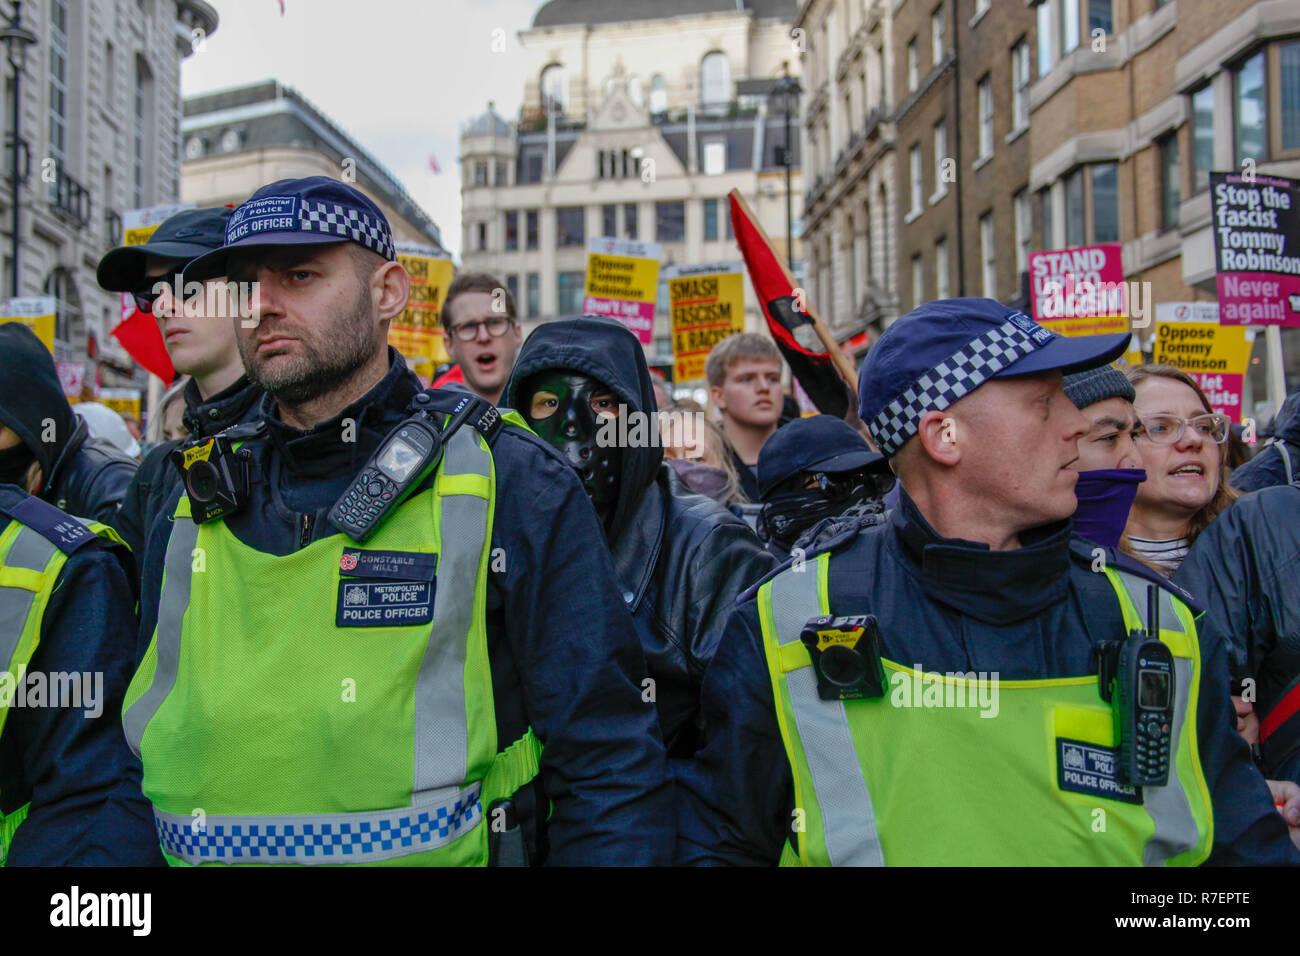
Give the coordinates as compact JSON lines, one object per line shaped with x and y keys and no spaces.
{"x":1202,"y":347}
{"x":417,"y":332}
{"x":138,"y":237}
{"x":707,"y":307}
{"x":42,"y":325}
{"x":622,"y":277}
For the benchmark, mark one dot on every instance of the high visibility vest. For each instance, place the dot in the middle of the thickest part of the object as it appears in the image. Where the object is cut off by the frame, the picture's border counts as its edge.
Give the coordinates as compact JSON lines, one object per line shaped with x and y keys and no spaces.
{"x":30,"y":564}
{"x":930,"y":782}
{"x":273,"y":729}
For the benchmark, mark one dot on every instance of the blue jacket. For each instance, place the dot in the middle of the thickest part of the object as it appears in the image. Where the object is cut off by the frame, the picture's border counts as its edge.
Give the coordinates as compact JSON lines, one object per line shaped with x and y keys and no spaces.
{"x":949,"y":605}
{"x":82,"y":780}
{"x":562,"y":646}
{"x":1268,"y":468}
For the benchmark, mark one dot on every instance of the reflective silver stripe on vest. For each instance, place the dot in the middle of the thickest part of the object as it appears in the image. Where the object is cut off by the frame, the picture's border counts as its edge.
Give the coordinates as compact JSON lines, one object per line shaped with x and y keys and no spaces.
{"x":31,"y":551}
{"x":441,"y":738}
{"x":848,"y":816}
{"x":1176,"y":829}
{"x":319,"y":837}
{"x":174,"y":600}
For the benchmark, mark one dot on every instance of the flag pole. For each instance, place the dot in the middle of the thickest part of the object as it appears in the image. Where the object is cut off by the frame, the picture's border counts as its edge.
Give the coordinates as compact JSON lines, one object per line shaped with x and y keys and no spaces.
{"x":838,"y":358}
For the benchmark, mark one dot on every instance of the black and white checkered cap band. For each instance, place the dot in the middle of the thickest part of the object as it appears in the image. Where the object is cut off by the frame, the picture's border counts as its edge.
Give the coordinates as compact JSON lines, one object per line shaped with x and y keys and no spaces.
{"x":962,"y":372}
{"x":334,"y":219}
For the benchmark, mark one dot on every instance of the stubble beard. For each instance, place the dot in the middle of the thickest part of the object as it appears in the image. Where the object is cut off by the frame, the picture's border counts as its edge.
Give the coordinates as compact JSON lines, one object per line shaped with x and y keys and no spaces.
{"x":317,"y":371}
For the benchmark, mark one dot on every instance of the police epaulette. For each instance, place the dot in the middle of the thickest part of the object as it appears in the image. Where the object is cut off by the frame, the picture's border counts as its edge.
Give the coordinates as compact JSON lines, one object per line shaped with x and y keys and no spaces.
{"x":242,"y":431}
{"x":483,"y":418}
{"x":60,"y":529}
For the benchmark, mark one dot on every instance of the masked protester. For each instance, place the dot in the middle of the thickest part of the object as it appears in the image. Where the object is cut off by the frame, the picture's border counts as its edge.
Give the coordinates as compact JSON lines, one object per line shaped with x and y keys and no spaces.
{"x":817,"y":478}
{"x":680,"y":559}
{"x":1110,"y":464}
{"x":45,"y":448}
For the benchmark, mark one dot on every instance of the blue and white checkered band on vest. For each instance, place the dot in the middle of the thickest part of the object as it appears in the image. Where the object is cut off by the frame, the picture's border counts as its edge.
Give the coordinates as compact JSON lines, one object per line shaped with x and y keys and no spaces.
{"x":960,"y":373}
{"x":333,"y":219}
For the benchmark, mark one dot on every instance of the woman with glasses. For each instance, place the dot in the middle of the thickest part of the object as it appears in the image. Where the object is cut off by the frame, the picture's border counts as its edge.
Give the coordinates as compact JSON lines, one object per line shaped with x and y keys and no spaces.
{"x":1182,"y":442}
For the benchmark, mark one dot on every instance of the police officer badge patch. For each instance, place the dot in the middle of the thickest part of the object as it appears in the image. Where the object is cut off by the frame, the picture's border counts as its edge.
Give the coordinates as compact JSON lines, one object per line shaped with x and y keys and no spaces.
{"x":390,"y":589}
{"x":1092,"y":769}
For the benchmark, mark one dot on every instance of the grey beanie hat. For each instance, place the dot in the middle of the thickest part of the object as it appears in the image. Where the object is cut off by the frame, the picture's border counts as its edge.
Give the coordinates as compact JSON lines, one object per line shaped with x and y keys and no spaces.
{"x":1097,"y":385}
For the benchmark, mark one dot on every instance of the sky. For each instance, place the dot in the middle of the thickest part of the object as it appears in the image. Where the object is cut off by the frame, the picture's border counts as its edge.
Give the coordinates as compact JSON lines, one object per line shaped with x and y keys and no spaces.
{"x":399,"y":76}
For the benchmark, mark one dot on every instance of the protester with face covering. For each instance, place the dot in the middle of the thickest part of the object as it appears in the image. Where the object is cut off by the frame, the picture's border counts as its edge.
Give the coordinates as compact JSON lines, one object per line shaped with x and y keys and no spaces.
{"x":1278,"y":461}
{"x":817,"y":478}
{"x":583,"y":385}
{"x":1109,"y":464}
{"x":44,"y":447}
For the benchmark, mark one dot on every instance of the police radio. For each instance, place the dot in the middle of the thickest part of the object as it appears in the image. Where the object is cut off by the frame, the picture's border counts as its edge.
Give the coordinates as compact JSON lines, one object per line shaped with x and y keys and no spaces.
{"x":845,"y":654}
{"x":215,"y":473}
{"x":1137,"y":677}
{"x":407,"y":455}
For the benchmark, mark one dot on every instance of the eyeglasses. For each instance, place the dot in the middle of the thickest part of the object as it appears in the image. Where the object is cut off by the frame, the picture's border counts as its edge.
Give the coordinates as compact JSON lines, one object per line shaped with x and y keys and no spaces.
{"x":468,"y":331}
{"x":842,"y":487}
{"x":145,"y":299}
{"x":1168,"y":429}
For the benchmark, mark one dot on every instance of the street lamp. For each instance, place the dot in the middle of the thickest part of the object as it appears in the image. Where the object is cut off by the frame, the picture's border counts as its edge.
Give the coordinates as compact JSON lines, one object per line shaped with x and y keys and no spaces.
{"x":17,"y":39}
{"x":784,"y":98}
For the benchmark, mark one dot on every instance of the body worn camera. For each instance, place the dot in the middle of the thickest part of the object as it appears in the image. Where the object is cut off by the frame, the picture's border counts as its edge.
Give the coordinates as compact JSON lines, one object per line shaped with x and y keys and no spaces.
{"x":216,"y":476}
{"x":845,"y":654}
{"x":1137,"y":676}
{"x":406,"y":457}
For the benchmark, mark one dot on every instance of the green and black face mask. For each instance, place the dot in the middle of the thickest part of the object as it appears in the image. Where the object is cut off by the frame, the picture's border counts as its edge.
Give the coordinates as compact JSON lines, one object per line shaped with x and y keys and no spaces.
{"x":566,"y":409}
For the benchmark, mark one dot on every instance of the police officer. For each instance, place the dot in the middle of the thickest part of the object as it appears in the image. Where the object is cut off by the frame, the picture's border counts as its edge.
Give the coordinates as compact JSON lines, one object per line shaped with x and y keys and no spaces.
{"x":816,"y":477}
{"x":970,"y":725}
{"x":308,"y":697}
{"x":201,"y":345}
{"x":69,"y":787}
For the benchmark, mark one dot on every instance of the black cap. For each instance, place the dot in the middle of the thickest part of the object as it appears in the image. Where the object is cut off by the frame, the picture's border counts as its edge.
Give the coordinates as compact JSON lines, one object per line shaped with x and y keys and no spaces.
{"x":181,"y":238}
{"x":816,"y":443}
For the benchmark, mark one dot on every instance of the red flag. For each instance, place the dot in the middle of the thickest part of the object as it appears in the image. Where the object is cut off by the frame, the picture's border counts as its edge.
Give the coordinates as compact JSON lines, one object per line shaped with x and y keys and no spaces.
{"x":453,"y":374}
{"x":281,"y":7}
{"x":140,"y":336}
{"x":776,"y":290}
{"x":433,"y":164}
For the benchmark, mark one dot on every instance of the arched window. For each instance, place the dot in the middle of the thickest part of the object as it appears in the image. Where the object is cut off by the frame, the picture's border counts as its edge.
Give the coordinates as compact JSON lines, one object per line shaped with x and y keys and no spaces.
{"x":634,"y":89}
{"x":658,"y":94}
{"x":611,"y":85}
{"x":67,"y":303}
{"x":715,"y":79}
{"x":555,"y":88}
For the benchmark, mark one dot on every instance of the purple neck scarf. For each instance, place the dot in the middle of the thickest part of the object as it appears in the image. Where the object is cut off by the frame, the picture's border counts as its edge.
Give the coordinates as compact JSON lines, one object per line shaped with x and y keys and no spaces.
{"x":1105,"y":498}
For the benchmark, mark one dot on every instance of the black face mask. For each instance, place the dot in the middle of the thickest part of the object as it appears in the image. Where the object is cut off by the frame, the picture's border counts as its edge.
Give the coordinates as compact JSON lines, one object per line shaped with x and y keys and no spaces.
{"x":788,"y":515}
{"x":565,"y":417}
{"x":14,"y":463}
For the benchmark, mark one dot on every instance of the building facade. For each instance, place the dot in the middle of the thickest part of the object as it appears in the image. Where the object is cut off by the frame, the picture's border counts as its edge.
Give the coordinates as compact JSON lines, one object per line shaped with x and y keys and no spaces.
{"x":638,"y":119}
{"x":99,"y":134}
{"x":238,"y":140}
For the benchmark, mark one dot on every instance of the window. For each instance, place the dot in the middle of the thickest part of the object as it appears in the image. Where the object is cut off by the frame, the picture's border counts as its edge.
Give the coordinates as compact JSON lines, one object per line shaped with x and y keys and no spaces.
{"x":1024,"y":229}
{"x":1099,"y":16}
{"x":1170,"y":181}
{"x":512,"y":231}
{"x":880,"y":78}
{"x":1069,"y":25}
{"x":658,"y":94}
{"x":143,"y":102}
{"x":629,"y":220}
{"x":610,"y":85}
{"x":936,"y":37}
{"x":715,"y":157}
{"x":569,"y":226}
{"x":988,"y":258}
{"x":634,"y":90}
{"x":940,"y":156}
{"x":512,"y":286}
{"x":555,"y":89}
{"x":1202,"y":137}
{"x":534,"y":295}
{"x":1288,"y":55}
{"x":918,"y":281}
{"x":986,"y":116}
{"x":670,"y":221}
{"x":1105,"y":201}
{"x":1074,"y":208}
{"x":1045,"y":211}
{"x":58,"y":118}
{"x":913,"y":66}
{"x":1020,"y":85}
{"x":531,"y":163}
{"x":710,"y":219}
{"x":500,"y":179}
{"x":1044,"y":37}
{"x":607,"y":216}
{"x":530,"y":218}
{"x":941,"y":287}
{"x":480,"y":173}
{"x":914,"y":159}
{"x":110,"y":74}
{"x":482,"y":237}
{"x":1248,"y":114}
{"x":569,"y":292}
{"x":715,"y":79}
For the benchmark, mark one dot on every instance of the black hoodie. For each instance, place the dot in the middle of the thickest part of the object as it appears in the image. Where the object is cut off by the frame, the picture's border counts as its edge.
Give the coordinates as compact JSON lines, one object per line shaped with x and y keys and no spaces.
{"x":681,"y":559}
{"x":83,"y":476}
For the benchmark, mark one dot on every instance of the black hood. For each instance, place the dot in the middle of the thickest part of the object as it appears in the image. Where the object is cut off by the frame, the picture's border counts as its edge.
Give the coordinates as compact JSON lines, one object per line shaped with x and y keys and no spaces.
{"x":1286,"y":424}
{"x":30,"y":392}
{"x":607,"y":351}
